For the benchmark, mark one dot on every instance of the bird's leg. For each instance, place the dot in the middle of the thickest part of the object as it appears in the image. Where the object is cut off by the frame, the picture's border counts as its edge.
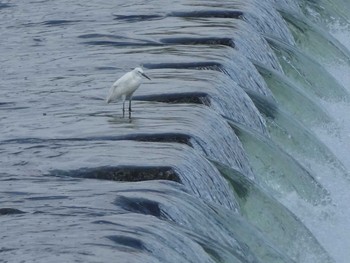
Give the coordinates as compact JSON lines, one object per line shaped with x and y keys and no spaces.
{"x":130,"y":108}
{"x":123,"y":107}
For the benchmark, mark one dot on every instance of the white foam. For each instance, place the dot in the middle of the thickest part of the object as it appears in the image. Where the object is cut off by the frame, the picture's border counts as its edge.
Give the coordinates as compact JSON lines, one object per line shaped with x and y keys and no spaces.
{"x":331,"y":224}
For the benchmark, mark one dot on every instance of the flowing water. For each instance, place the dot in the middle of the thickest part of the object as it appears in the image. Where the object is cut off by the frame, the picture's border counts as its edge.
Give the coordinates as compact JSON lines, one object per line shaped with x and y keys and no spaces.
{"x":237,"y":149}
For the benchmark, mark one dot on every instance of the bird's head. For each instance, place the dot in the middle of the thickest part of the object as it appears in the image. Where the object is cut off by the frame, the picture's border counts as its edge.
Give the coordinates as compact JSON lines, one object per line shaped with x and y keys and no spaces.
{"x":139,"y":71}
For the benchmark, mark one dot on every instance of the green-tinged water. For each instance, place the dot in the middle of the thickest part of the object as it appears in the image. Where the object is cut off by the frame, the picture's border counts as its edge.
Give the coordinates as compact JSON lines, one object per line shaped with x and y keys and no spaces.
{"x":315,"y":41}
{"x":293,"y":99}
{"x":327,"y":12}
{"x":277,"y":171}
{"x":307,"y":73}
{"x":299,"y":141}
{"x":274,"y":220}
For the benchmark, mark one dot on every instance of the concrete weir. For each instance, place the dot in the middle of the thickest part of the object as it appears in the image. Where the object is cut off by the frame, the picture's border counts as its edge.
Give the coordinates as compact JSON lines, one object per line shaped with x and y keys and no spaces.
{"x":219,"y":161}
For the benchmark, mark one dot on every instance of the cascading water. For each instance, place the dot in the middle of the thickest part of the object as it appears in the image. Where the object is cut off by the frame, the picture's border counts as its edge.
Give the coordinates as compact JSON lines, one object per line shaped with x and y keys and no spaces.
{"x":235,"y":151}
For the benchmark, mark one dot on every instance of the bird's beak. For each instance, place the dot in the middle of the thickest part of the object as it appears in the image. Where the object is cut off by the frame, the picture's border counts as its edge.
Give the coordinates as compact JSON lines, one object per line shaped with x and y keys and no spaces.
{"x":143,"y":74}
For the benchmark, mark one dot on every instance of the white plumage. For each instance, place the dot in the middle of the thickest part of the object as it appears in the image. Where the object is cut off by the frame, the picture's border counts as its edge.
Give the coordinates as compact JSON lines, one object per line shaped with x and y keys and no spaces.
{"x":125,"y":87}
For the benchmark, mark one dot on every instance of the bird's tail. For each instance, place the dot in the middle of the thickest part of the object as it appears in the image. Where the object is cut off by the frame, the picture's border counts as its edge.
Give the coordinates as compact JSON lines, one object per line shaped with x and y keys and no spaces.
{"x":112,"y":98}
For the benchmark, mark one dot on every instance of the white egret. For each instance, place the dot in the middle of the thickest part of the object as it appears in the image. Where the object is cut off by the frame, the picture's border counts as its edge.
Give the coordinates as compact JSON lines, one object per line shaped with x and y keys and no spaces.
{"x":125,"y":87}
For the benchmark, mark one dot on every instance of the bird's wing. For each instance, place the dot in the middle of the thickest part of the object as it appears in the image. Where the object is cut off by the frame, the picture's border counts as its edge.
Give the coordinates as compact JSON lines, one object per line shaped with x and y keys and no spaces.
{"x":117,"y":89}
